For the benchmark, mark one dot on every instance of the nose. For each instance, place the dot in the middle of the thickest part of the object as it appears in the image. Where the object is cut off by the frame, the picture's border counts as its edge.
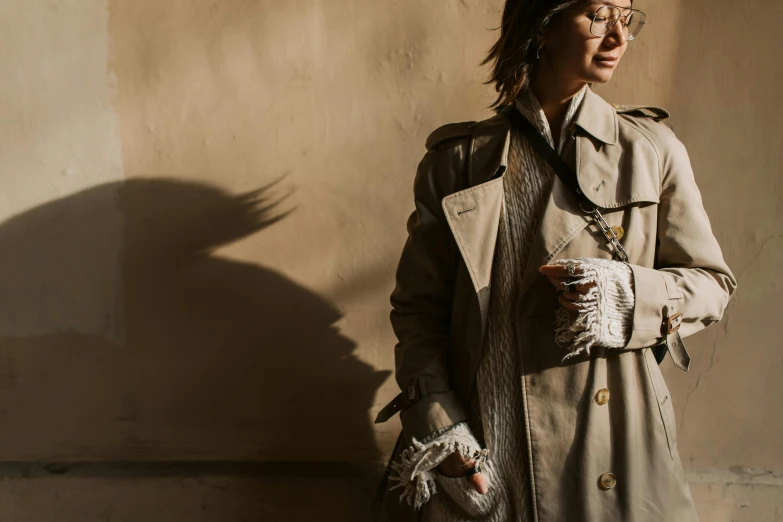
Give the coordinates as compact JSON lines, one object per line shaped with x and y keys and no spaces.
{"x":617,"y":33}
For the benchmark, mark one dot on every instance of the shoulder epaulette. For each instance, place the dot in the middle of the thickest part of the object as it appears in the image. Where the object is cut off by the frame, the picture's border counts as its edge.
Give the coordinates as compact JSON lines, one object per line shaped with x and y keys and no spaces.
{"x":649,"y":111}
{"x":448,"y":132}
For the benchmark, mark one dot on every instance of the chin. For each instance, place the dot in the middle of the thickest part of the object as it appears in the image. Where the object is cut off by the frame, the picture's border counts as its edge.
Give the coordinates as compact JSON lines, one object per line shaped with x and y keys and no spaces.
{"x":600,"y":76}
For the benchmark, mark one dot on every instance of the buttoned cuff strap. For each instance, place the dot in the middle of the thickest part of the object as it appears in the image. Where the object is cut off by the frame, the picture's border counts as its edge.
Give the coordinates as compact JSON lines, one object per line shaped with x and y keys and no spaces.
{"x":657,"y":316}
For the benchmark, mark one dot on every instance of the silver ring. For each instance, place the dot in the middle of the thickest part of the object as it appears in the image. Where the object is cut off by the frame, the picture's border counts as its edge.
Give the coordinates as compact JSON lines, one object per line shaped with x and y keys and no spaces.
{"x":472,"y":471}
{"x":571,"y":270}
{"x":568,"y":287}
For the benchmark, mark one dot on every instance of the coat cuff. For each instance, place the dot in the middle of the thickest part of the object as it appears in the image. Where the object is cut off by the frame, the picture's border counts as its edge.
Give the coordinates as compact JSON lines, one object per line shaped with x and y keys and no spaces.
{"x":432,"y":413}
{"x":655,"y":298}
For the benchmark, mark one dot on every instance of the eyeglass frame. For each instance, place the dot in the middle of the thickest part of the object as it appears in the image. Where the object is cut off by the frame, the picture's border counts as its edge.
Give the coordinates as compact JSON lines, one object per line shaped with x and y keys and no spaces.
{"x":621,"y":9}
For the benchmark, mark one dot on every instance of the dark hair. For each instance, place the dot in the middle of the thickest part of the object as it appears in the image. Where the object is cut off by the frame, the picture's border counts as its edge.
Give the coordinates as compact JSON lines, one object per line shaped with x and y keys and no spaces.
{"x":514,"y":53}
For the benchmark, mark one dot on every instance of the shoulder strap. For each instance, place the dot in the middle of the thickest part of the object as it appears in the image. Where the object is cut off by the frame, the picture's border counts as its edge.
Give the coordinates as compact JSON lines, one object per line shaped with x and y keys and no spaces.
{"x":449,"y":131}
{"x":561,"y":168}
{"x":649,"y":111}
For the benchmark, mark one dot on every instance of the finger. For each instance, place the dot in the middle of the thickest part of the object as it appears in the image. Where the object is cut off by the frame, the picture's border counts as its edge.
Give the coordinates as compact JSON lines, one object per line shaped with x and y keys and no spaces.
{"x":479,"y":483}
{"x":554,"y":270}
{"x":555,"y":281}
{"x":580,"y":287}
{"x":568,"y":304}
{"x":559,"y":270}
{"x":559,"y":284}
{"x":452,"y":465}
{"x":571,"y":296}
{"x":467,"y":464}
{"x":460,"y":464}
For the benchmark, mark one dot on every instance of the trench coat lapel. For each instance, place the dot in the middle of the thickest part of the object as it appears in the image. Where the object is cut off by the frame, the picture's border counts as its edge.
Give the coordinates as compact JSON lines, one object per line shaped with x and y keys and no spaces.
{"x":473,"y":214}
{"x":561,"y":222}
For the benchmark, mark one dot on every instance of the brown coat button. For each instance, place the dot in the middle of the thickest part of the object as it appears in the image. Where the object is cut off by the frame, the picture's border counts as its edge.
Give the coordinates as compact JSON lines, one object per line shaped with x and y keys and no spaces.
{"x":602,"y":397}
{"x":608,"y":481}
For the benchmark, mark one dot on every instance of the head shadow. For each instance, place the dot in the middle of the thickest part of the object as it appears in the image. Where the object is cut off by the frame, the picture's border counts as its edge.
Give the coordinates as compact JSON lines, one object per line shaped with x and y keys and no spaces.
{"x":132,"y":338}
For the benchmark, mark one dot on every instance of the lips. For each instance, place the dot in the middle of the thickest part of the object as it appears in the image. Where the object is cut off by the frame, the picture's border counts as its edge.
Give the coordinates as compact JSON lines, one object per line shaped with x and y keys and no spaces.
{"x":607,"y":59}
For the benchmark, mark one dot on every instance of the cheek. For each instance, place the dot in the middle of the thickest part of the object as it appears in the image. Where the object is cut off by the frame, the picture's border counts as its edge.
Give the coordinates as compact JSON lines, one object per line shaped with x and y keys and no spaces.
{"x":578,"y":50}
{"x":592,"y":47}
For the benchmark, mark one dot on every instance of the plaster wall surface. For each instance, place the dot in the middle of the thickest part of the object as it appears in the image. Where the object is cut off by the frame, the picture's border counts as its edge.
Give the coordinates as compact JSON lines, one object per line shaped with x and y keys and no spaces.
{"x":59,"y":138}
{"x":203,"y":204}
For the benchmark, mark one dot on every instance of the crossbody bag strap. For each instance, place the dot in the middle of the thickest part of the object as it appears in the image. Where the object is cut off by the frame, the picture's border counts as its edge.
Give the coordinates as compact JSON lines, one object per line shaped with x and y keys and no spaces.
{"x":558,"y":164}
{"x":566,"y":175}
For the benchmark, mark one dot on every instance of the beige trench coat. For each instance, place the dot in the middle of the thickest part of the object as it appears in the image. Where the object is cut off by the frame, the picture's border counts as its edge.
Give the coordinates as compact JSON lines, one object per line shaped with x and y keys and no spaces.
{"x":633,"y":166}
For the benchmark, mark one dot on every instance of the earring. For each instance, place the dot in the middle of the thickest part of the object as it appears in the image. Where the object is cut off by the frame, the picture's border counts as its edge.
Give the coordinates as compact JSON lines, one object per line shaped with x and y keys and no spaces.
{"x":537,"y":56}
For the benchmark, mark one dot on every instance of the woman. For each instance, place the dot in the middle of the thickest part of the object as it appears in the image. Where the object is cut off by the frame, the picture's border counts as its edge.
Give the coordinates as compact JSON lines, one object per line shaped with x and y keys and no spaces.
{"x":541,"y":399}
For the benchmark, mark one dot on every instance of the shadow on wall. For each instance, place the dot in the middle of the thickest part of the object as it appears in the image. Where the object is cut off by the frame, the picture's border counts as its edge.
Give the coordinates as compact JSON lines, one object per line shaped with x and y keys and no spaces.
{"x":215,"y":359}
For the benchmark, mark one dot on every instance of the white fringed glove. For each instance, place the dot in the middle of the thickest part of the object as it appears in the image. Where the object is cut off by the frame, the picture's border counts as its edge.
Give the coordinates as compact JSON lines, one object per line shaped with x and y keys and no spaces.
{"x":414,"y":470}
{"x":605,"y":316}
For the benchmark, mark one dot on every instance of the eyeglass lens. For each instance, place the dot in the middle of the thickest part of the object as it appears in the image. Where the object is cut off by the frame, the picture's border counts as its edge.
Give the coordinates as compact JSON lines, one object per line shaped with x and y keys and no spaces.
{"x":607,"y":16}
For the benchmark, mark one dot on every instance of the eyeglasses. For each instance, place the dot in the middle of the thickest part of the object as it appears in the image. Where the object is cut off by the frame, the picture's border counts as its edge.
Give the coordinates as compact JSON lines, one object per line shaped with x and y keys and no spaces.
{"x":608,"y":15}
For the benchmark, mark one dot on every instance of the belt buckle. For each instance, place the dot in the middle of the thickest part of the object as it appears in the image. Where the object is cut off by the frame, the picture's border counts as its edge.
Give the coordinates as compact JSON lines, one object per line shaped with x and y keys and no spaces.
{"x":673,"y":323}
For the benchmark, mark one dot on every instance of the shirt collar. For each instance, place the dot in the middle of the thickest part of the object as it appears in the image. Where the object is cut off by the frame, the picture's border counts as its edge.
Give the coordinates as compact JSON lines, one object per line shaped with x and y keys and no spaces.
{"x":529,"y":106}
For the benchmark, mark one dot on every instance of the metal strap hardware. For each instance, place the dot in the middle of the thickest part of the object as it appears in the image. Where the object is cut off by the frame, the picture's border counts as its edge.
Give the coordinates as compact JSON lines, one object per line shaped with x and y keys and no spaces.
{"x":673,"y":323}
{"x":609,"y":234}
{"x":673,"y":342}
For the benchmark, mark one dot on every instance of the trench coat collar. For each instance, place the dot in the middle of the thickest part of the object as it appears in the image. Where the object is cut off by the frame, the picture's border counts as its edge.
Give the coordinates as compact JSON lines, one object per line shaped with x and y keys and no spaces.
{"x":598,"y":118}
{"x":492,"y":137}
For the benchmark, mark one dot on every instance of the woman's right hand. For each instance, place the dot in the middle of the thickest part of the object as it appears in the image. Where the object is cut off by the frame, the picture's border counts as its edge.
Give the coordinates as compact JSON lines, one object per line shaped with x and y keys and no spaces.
{"x":455,"y":465}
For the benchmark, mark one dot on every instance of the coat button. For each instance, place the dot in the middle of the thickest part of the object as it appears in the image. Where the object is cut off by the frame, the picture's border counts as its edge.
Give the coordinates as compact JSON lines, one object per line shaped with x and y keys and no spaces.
{"x":602,"y":397}
{"x":618,"y":231}
{"x":608,"y":481}
{"x":614,"y":328}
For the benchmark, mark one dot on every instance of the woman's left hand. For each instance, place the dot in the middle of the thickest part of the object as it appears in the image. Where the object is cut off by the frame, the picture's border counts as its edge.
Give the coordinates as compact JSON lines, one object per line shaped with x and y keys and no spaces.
{"x":558,"y":275}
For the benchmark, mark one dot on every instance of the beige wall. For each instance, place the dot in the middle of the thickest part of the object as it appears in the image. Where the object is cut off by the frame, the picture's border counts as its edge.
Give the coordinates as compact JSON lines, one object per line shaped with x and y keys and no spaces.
{"x":722,"y":80}
{"x":203,"y":203}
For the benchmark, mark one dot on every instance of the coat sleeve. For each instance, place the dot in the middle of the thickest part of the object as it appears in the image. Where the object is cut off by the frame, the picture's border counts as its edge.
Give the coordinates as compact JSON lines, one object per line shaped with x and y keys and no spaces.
{"x":422,"y":298}
{"x":690,"y":276}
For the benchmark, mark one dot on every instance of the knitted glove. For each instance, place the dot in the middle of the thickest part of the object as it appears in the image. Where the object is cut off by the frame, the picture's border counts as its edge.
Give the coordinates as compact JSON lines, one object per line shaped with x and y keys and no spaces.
{"x":414,"y":471}
{"x":605,"y":316}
